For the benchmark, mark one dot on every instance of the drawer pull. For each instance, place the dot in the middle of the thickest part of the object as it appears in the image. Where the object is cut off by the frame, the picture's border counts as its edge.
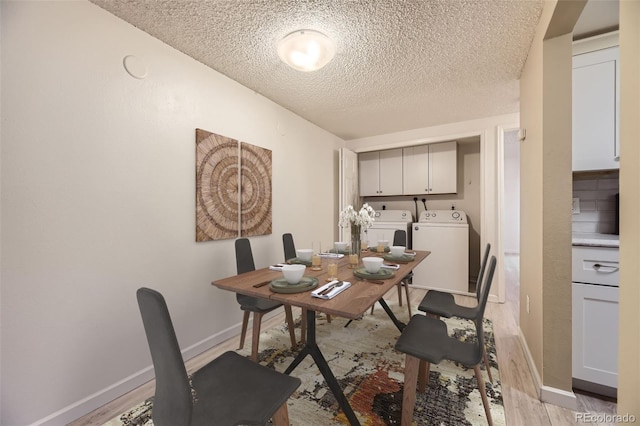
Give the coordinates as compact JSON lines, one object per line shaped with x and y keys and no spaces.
{"x":601,"y":268}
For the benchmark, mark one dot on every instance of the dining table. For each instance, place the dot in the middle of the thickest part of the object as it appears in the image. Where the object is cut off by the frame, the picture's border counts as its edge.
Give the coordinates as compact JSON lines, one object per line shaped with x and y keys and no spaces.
{"x":352,"y":303}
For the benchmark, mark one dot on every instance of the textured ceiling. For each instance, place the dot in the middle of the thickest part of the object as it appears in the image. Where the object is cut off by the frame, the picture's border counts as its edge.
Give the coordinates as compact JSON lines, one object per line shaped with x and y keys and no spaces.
{"x":400,"y":64}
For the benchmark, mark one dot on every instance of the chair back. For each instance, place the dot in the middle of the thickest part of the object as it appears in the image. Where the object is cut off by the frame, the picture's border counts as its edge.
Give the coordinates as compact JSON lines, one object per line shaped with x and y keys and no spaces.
{"x":482,"y":304}
{"x":400,"y":238}
{"x":172,"y":404}
{"x":289,"y":247}
{"x":483,"y":266}
{"x":244,"y":256}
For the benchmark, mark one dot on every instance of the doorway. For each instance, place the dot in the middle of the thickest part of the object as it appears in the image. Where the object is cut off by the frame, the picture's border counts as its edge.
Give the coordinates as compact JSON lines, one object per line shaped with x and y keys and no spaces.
{"x":510,"y":194}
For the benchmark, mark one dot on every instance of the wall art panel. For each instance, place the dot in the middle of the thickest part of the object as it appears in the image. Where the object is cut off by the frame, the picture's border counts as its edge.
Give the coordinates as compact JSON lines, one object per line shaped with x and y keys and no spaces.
{"x":233,"y":188}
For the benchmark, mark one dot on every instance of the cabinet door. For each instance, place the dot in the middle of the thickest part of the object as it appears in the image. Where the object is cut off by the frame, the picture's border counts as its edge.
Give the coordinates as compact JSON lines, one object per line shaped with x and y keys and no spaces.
{"x":369,"y":173}
{"x":443,"y":168}
{"x":595,"y":333}
{"x":595,"y":110}
{"x":391,"y":172}
{"x":415,"y":170}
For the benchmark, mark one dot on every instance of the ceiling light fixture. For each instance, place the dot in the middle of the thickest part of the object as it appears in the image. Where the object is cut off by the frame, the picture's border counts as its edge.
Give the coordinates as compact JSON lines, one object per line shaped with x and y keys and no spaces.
{"x":306,"y":50}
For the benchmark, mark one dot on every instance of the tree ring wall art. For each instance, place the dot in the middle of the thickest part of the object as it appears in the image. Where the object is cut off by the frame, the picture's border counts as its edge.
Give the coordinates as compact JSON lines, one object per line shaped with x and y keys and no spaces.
{"x":233,"y":188}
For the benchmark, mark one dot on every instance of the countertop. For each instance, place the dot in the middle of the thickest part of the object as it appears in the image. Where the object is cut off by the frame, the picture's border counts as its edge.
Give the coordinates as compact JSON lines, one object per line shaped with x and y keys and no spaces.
{"x":595,"y":240}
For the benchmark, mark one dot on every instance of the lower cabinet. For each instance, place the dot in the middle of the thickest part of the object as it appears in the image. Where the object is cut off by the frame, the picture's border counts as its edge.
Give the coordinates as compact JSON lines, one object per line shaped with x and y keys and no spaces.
{"x":595,"y":334}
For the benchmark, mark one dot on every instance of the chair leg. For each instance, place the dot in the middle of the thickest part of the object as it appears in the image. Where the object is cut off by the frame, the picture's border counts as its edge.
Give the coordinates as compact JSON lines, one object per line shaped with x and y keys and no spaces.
{"x":281,"y":417}
{"x":329,"y":318}
{"x":409,"y":392}
{"x":303,"y":326}
{"x":243,"y":333}
{"x":255,"y":339}
{"x":372,"y":306}
{"x":423,"y":375}
{"x":406,"y":291}
{"x":486,"y":364}
{"x":483,"y":393}
{"x":400,"y":293}
{"x":292,"y":330}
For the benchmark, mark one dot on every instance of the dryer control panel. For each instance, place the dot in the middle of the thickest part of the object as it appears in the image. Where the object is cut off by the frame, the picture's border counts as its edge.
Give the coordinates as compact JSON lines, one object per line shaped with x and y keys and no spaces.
{"x":443,"y":216}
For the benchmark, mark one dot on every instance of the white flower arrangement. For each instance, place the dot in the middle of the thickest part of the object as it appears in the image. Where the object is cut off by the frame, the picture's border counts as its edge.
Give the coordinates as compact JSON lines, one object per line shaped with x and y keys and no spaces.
{"x":365,"y":217}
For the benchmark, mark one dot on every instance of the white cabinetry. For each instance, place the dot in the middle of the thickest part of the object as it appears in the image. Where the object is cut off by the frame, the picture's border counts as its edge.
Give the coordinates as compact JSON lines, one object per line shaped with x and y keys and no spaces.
{"x":596,"y":110}
{"x":595,"y":297}
{"x":380,"y":173}
{"x":430,"y":169}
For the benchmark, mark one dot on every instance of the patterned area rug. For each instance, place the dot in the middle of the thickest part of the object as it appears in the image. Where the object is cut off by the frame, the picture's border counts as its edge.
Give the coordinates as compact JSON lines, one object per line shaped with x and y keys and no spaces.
{"x":370,"y":371}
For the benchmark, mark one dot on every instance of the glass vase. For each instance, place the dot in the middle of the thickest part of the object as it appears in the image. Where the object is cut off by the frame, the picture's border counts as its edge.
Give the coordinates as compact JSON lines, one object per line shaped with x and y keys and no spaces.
{"x":355,"y":239}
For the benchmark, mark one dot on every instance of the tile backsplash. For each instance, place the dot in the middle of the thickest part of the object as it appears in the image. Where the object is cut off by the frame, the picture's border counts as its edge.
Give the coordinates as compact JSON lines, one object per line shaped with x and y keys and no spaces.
{"x":597,"y":202}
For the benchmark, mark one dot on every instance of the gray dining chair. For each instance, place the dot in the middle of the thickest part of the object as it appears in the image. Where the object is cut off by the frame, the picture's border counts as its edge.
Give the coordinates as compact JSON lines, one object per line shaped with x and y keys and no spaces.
{"x":229,"y":390}
{"x":259,"y":306}
{"x":425,"y":341}
{"x":400,"y":239}
{"x":443,"y":304}
{"x":289,"y":248}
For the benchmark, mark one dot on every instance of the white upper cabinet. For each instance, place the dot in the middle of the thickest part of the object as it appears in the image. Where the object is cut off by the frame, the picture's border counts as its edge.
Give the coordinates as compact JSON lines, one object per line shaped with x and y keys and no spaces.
{"x":596,"y":110}
{"x":380,"y":173}
{"x":430,"y":169}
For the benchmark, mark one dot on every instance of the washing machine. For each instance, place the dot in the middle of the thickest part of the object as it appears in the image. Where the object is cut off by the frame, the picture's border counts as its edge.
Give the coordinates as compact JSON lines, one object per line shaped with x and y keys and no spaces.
{"x":445,"y":233}
{"x":385,"y":225}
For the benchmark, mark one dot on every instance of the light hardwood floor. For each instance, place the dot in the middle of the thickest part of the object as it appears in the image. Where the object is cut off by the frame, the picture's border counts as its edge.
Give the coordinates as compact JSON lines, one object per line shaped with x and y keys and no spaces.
{"x":521,"y":404}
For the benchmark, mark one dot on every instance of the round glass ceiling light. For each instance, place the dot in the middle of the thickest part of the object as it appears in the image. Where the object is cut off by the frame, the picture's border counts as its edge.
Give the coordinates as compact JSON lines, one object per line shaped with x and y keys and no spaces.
{"x":306,"y":50}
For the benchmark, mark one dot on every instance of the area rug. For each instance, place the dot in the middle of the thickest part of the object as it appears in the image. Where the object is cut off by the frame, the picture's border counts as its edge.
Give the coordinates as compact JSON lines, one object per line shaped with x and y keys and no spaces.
{"x":370,"y":371}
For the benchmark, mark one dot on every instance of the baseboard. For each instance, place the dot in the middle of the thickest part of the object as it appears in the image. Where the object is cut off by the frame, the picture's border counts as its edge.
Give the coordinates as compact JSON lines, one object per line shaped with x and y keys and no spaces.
{"x":92,"y":402}
{"x":537,"y":381}
{"x":555,"y":396}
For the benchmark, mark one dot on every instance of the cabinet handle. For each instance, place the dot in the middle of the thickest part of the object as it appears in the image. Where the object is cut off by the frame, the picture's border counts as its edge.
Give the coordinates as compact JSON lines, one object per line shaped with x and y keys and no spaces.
{"x":602,"y":268}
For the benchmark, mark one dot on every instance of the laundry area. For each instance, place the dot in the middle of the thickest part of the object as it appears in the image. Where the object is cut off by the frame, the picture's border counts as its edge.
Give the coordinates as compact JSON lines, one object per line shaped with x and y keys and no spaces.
{"x":434,"y":193}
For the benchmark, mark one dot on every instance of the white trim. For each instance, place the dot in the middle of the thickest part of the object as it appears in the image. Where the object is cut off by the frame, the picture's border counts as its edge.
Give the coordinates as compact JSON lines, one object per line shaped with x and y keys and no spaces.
{"x":602,"y":41}
{"x":537,"y":381}
{"x":559,"y":397}
{"x":501,"y":130}
{"x":555,"y":396}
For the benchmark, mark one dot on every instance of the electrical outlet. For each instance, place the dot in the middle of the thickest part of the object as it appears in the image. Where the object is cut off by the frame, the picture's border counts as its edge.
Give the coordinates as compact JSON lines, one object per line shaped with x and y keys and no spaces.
{"x":528,"y":305}
{"x":575,"y":206}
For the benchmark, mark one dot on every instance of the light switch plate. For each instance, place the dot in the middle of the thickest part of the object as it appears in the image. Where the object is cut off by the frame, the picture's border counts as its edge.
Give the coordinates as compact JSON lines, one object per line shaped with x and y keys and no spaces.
{"x":575,"y":206}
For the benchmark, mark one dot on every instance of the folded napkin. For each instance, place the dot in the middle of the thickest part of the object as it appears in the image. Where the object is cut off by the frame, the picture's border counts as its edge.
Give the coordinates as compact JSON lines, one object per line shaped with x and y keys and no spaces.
{"x":276,"y":267}
{"x":334,"y":291}
{"x":336,"y":255}
{"x":395,"y":267}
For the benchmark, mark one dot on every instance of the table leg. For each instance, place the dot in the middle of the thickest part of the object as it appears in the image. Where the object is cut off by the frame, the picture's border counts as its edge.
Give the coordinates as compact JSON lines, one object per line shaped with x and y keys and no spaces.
{"x":311,"y":348}
{"x":400,"y":325}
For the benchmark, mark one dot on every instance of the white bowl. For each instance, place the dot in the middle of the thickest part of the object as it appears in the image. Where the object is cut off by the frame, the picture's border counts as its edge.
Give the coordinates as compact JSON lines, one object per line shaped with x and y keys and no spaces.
{"x":372,"y":264}
{"x":304,"y":254}
{"x":383,"y":243}
{"x":340,"y":246}
{"x":293,"y":273}
{"x":397,"y":251}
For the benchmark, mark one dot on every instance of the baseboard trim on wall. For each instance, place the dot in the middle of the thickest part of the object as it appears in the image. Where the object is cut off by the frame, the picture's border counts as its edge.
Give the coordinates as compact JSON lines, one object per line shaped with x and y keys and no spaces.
{"x":548,"y":394}
{"x":92,"y":402}
{"x":559,"y":397}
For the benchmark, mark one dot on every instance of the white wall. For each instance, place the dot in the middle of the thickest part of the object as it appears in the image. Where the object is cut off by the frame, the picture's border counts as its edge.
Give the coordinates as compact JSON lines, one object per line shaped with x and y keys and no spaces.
{"x":487,"y":130}
{"x":97,"y":199}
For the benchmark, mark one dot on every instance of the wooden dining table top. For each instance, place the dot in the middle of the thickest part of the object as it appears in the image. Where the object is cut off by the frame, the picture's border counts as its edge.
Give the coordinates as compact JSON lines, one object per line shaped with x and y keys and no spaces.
{"x":351,"y":303}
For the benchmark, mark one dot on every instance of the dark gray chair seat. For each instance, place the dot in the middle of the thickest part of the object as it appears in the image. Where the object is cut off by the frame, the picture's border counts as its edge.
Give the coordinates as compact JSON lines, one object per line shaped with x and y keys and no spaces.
{"x":425,"y":341}
{"x":230,"y":390}
{"x":442,"y":304}
{"x":258,"y":305}
{"x":289,"y":248}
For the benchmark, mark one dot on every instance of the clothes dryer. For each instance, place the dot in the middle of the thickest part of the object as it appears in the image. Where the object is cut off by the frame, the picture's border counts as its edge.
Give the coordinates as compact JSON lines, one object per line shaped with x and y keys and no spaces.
{"x":445,"y":233}
{"x":385,"y":224}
